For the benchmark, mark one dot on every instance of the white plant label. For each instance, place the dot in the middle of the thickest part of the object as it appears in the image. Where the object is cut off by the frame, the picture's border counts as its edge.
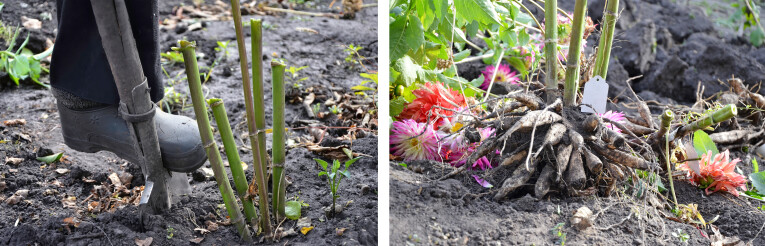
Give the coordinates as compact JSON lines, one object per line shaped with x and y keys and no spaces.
{"x":595,"y":95}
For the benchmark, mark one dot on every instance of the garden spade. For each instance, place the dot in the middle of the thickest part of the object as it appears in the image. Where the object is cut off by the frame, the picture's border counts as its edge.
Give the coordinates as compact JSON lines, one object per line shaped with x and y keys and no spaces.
{"x":135,"y":106}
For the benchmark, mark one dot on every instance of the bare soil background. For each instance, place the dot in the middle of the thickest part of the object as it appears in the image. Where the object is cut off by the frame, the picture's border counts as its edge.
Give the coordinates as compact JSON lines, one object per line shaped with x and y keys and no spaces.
{"x":39,"y":218}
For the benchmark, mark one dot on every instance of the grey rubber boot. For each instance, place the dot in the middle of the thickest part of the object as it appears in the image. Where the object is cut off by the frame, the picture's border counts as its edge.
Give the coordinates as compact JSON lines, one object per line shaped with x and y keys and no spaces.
{"x":101,"y":128}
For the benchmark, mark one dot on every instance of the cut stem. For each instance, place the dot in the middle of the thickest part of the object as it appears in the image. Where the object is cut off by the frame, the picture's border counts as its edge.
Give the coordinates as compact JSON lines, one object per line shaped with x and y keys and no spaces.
{"x":279,"y":185}
{"x":232,"y":154}
{"x":610,"y":15}
{"x":200,"y":110}
{"x":723,"y":114}
{"x":258,"y":165}
{"x":551,"y":50}
{"x":574,"y":51}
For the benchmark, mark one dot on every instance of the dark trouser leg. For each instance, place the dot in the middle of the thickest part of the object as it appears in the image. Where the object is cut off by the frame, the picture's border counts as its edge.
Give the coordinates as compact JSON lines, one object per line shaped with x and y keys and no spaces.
{"x":80,"y":73}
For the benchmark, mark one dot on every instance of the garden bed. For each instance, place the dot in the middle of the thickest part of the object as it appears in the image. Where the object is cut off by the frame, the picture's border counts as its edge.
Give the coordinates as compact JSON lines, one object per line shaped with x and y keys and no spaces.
{"x":56,"y":208}
{"x":673,"y":46}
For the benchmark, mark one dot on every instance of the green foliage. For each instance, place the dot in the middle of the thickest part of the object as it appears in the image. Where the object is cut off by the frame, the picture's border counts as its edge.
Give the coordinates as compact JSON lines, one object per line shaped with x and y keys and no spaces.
{"x":746,"y":18}
{"x":170,"y":232}
{"x":557,"y":231}
{"x":292,"y":209}
{"x":51,"y":158}
{"x":335,"y":110}
{"x":703,"y":143}
{"x":426,"y":40}
{"x":361,"y":89}
{"x":680,"y":234}
{"x":173,"y":57}
{"x":22,"y":64}
{"x":294,"y":76}
{"x":353,"y":56}
{"x":335,"y":175}
{"x":316,"y":108}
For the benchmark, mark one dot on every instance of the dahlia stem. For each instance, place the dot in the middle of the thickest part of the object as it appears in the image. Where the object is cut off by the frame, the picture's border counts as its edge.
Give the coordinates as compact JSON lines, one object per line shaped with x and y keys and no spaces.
{"x":200,"y":110}
{"x":232,"y":154}
{"x":551,"y":50}
{"x":260,"y":167}
{"x":607,"y":38}
{"x":256,"y":29}
{"x":666,"y":120}
{"x":279,"y":186}
{"x":669,"y":169}
{"x":574,"y":51}
{"x":723,"y":114}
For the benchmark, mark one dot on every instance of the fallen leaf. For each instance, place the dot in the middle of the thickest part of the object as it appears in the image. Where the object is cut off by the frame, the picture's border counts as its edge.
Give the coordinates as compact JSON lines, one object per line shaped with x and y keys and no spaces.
{"x":13,"y":160}
{"x":208,"y":172}
{"x":305,"y":230}
{"x":115,"y":179}
{"x":144,"y":242}
{"x":51,"y":158}
{"x":340,"y":231}
{"x":15,"y":122}
{"x":197,"y":240}
{"x":582,"y":218}
{"x":202,"y":231}
{"x":72,"y":221}
{"x":31,"y":23}
{"x":13,"y":200}
{"x":211,"y":226}
{"x":22,"y":193}
{"x":69,"y":202}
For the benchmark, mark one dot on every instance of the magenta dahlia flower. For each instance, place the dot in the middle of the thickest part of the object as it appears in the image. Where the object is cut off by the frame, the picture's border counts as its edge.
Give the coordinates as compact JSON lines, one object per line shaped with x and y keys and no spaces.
{"x":504,"y":74}
{"x":456,"y":150}
{"x":613,"y":116}
{"x":414,"y":141}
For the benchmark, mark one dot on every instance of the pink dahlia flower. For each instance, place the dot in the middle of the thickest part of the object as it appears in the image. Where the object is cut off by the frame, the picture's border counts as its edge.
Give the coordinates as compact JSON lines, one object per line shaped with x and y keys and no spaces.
{"x":456,"y":150}
{"x":504,"y":74}
{"x":613,"y":116}
{"x":414,"y":141}
{"x":718,"y":173}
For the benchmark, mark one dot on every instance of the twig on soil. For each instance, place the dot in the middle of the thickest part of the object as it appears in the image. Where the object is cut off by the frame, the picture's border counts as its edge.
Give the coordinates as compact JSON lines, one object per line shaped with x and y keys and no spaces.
{"x":613,"y":225}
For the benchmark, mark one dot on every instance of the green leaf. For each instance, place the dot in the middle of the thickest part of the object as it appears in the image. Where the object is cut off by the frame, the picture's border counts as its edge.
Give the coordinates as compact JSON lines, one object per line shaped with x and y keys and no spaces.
{"x":523,"y":38}
{"x":481,"y":10}
{"x":21,"y":66}
{"x":398,"y":45}
{"x":758,"y":181}
{"x":703,"y":143}
{"x":348,"y":152}
{"x":413,"y":34}
{"x":292,"y":210}
{"x":461,"y":55}
{"x":756,"y":37}
{"x":755,"y":166}
{"x":397,"y":106}
{"x":346,"y":173}
{"x":351,"y":161}
{"x":362,"y":88}
{"x":322,"y":173}
{"x":51,"y":158}
{"x":321,"y":162}
{"x":408,"y":70}
{"x":335,"y":166}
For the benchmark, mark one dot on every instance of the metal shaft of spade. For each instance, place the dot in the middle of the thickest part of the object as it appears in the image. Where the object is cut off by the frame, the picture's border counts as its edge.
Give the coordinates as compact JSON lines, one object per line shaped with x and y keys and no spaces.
{"x":135,"y":106}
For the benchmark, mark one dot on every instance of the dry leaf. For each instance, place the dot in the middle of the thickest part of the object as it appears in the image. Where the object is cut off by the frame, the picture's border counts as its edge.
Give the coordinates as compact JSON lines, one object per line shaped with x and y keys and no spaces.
{"x":13,"y":160}
{"x":202,"y":231}
{"x":582,"y":218}
{"x":13,"y":200}
{"x":62,"y":171}
{"x":69,"y":202}
{"x":72,"y":221}
{"x":144,"y":242}
{"x":211,"y":226}
{"x":115,"y":179}
{"x":15,"y":122}
{"x":305,"y":230}
{"x":31,"y":23}
{"x":197,"y":240}
{"x":23,"y":193}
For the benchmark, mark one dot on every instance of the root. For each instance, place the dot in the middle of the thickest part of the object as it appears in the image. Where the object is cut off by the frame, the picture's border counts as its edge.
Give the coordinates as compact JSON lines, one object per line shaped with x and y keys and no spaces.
{"x":516,"y":180}
{"x":575,"y":176}
{"x":544,"y":182}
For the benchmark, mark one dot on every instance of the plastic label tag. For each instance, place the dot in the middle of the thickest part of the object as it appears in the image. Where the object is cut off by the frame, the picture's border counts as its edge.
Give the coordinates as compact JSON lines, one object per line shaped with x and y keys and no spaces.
{"x":595,"y":95}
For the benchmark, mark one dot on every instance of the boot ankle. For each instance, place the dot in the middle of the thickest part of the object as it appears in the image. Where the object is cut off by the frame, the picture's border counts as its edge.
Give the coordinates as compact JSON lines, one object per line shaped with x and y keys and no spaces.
{"x":74,"y":102}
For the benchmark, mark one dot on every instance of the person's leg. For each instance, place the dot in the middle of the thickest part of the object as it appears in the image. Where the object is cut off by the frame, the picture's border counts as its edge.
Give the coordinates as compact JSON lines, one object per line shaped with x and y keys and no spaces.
{"x":79,"y":68}
{"x":87,"y":96}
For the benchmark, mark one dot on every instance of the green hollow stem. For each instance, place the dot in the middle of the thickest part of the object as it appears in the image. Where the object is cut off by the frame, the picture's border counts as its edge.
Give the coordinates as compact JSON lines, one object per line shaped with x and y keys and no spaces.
{"x":551,"y":50}
{"x":259,"y":166}
{"x":666,"y":121}
{"x":200,"y":110}
{"x":232,"y":154}
{"x":279,"y":186}
{"x":723,"y":114}
{"x":571,"y":86}
{"x":256,"y":42}
{"x":606,"y":38}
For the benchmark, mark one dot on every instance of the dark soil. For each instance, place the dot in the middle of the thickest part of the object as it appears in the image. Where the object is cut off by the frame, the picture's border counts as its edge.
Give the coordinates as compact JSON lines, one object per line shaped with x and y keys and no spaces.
{"x":675,"y":47}
{"x":39,"y":218}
